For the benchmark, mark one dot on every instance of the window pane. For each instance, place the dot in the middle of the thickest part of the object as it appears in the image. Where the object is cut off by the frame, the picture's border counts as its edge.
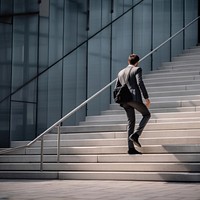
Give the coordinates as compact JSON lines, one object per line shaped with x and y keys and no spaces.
{"x":142,"y":33}
{"x":99,"y":71}
{"x":177,"y":24}
{"x":27,"y":93}
{"x":6,"y":7}
{"x":95,"y":17}
{"x":55,"y":31}
{"x":25,"y":49}
{"x":161,"y":31}
{"x":5,"y":59}
{"x":5,"y":123}
{"x":23,"y":118}
{"x":74,"y":85}
{"x":24,"y":6}
{"x":121,"y":43}
{"x":191,"y":33}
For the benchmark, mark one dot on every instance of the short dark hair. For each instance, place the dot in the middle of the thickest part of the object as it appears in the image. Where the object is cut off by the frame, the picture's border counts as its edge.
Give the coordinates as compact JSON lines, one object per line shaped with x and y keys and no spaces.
{"x":133,"y":58}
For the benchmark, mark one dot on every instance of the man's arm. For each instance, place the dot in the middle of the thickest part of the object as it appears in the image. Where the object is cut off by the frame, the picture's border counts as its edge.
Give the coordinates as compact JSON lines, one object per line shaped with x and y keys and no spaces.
{"x":142,"y":86}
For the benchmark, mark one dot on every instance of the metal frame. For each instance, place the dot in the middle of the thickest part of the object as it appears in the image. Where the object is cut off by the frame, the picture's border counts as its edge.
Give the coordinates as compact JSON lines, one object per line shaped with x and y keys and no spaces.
{"x":58,"y":123}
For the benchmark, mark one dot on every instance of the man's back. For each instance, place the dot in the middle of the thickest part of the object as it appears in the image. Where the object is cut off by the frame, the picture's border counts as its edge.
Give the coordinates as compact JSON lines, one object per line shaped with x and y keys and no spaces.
{"x":135,"y":82}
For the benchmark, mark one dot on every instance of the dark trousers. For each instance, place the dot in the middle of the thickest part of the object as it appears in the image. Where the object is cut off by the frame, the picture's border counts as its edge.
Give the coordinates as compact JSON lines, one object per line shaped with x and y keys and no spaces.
{"x":130,"y":112}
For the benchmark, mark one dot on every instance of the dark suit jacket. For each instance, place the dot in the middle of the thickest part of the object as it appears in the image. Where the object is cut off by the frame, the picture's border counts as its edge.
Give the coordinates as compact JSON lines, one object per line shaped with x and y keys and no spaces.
{"x":135,"y":82}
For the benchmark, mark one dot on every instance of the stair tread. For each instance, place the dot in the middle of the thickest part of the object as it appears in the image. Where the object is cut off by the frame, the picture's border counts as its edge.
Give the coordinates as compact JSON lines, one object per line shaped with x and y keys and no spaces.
{"x":97,"y":148}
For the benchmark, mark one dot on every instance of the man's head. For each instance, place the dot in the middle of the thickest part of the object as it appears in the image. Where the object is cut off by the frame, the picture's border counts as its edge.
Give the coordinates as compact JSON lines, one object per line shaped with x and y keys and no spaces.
{"x":133,"y":59}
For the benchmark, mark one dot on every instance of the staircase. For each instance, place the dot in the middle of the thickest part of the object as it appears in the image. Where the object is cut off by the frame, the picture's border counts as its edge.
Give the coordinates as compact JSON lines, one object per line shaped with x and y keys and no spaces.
{"x":97,"y":148}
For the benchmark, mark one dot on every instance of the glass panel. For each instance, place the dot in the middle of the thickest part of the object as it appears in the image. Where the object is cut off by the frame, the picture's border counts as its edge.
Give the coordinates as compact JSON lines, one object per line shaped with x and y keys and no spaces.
{"x":71,"y":18}
{"x":27,"y":93}
{"x":95,"y":17}
{"x":25,"y":39}
{"x":56,"y":31}
{"x":161,"y":31}
{"x":43,"y":43}
{"x":54,"y":95}
{"x":118,"y":8}
{"x":142,"y":33}
{"x":121,"y":43}
{"x":106,"y":12}
{"x":24,"y":6}
{"x":99,"y":71}
{"x":5,"y":59}
{"x":49,"y":97}
{"x":74,"y":85}
{"x":191,"y":33}
{"x":42,"y":110}
{"x":177,"y":24}
{"x":74,"y":24}
{"x":23,"y":121}
{"x":5,"y":123}
{"x":128,"y":4}
{"x":6,"y":7}
{"x":82,"y":21}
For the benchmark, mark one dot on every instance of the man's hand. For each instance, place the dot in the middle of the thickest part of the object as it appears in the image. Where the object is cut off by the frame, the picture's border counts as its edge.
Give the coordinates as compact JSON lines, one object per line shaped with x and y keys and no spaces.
{"x":148,"y":103}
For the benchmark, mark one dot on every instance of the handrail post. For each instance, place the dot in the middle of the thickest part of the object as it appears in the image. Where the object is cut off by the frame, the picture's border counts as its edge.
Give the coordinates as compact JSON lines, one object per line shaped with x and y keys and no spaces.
{"x":41,"y":153}
{"x":58,"y":144}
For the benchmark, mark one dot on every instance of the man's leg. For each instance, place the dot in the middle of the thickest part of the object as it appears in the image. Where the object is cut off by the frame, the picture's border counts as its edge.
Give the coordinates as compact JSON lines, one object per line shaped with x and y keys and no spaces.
{"x":130,"y":112}
{"x":140,"y":107}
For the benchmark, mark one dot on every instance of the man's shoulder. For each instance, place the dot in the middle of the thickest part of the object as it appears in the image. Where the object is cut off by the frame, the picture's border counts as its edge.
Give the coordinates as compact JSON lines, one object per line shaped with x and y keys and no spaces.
{"x":121,"y":72}
{"x":135,"y":70}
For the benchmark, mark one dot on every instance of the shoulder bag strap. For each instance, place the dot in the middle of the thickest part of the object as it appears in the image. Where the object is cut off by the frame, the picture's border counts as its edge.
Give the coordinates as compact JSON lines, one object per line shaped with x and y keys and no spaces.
{"x":127,"y":75}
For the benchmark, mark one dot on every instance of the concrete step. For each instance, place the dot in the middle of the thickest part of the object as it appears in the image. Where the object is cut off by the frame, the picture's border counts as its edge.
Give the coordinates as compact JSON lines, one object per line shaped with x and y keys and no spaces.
{"x":177,"y":67}
{"x":109,"y":158}
{"x":131,"y":176}
{"x":192,"y":50}
{"x":183,"y":64}
{"x":173,"y":88}
{"x":163,"y":102}
{"x":119,"y":167}
{"x":175,"y":94}
{"x":93,"y":150}
{"x":85,"y":175}
{"x":114,"y":135}
{"x":117,"y":110}
{"x":124,"y":121}
{"x":154,"y":116}
{"x":120,"y":142}
{"x":123,"y":134}
{"x":172,"y":83}
{"x":29,"y":175}
{"x":190,"y":58}
{"x":190,"y":53}
{"x":185,"y":99}
{"x":174,"y":69}
{"x":172,"y":79}
{"x":122,"y":127}
{"x":171,"y":74}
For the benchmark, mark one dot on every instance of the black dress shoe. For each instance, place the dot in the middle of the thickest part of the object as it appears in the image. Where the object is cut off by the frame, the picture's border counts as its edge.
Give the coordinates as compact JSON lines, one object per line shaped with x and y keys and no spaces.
{"x":133,"y":151}
{"x":134,"y":138}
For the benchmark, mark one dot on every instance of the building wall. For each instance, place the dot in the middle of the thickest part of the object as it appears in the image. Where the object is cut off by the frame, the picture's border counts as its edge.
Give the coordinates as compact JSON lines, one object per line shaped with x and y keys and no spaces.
{"x":56,"y":54}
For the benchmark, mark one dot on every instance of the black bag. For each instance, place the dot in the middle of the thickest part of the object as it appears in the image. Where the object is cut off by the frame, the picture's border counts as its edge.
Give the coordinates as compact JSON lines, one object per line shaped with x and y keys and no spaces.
{"x":122,"y":93}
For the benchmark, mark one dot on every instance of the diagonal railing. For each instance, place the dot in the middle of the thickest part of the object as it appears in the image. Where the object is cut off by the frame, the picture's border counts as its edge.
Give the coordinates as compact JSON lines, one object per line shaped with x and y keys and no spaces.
{"x":58,"y":123}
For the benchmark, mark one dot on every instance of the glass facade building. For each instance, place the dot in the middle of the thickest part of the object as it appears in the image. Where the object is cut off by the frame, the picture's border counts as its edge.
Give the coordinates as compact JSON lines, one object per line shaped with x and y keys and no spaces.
{"x":54,"y":54}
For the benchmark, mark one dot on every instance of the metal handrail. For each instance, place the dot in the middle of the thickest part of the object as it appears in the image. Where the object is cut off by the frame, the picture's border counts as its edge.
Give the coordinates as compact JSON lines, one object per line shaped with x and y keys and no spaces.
{"x":58,"y":123}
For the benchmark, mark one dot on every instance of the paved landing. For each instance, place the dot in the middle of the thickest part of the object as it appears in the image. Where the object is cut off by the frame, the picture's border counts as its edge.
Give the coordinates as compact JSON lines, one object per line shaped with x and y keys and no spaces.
{"x":92,"y":190}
